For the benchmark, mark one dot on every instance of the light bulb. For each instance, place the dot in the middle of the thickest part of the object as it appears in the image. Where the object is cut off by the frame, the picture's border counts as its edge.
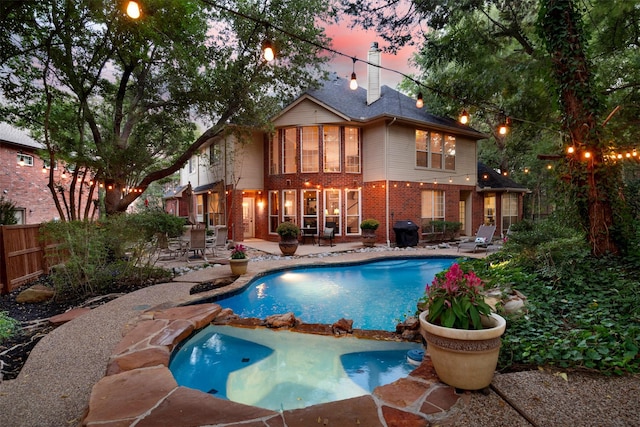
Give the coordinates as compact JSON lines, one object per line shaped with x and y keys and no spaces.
{"x":353,"y":85}
{"x":267,"y":51}
{"x":133,"y":10}
{"x":419,"y":101}
{"x":464,"y":117}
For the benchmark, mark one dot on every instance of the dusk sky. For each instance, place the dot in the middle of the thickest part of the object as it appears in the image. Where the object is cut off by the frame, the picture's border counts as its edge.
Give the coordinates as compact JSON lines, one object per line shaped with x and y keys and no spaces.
{"x":355,"y":43}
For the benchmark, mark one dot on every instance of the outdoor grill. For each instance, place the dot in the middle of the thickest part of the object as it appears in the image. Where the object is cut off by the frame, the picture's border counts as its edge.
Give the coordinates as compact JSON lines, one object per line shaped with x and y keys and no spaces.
{"x":406,"y":233}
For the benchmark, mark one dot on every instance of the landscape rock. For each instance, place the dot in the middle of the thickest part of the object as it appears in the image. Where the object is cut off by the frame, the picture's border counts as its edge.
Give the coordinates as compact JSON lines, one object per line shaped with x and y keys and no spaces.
{"x":287,"y":320}
{"x":35,"y":294}
{"x":342,"y":326}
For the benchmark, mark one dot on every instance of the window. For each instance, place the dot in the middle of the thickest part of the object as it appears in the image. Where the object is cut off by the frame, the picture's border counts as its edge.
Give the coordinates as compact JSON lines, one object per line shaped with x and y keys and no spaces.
{"x":274,"y":159}
{"x":332,"y":208}
{"x":309,"y":149}
{"x":509,"y":210}
{"x":289,"y":150}
{"x":435,"y":147}
{"x":274,"y":211}
{"x":435,"y":150}
{"x":310,"y":209}
{"x":289,"y":204}
{"x":353,"y":211}
{"x":490,"y":209}
{"x":450,"y":152}
{"x":25,"y":160}
{"x":331,"y":144}
{"x":216,"y":208}
{"x":46,"y":164}
{"x":432,"y":206}
{"x":421,"y":148}
{"x":215,"y":154}
{"x":199,"y":207}
{"x":352,"y":149}
{"x":192,"y":165}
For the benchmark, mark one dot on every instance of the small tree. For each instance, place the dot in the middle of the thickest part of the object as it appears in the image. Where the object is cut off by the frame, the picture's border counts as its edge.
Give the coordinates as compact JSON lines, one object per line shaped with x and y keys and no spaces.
{"x":7,"y":212}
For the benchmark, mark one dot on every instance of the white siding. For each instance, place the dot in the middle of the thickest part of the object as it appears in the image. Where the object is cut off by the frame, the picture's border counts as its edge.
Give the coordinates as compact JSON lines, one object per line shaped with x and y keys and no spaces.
{"x":307,"y":113}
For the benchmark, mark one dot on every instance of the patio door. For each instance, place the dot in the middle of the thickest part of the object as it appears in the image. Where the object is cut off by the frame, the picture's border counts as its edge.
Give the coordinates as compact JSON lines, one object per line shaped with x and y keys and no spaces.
{"x":248,"y":217}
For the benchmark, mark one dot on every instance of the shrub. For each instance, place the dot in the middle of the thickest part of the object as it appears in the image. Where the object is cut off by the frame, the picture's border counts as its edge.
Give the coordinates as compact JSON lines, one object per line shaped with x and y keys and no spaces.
{"x":8,"y":326}
{"x":288,"y":230}
{"x":7,"y":212}
{"x":370,"y":224}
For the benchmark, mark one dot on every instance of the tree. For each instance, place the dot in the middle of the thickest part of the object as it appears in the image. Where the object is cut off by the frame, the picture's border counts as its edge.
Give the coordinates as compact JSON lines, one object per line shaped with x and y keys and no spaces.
{"x":116,"y":99}
{"x":516,"y":59}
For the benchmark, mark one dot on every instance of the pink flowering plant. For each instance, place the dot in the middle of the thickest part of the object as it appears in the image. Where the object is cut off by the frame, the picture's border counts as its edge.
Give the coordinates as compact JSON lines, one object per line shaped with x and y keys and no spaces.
{"x":454,"y":299}
{"x":239,"y":252}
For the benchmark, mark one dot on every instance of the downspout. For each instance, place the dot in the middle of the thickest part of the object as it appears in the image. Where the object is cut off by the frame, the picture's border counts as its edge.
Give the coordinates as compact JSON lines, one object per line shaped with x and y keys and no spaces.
{"x":386,"y":176}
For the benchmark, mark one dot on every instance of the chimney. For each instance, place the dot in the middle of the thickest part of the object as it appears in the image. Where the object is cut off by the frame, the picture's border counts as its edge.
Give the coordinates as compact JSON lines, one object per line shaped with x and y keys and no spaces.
{"x":373,"y":74}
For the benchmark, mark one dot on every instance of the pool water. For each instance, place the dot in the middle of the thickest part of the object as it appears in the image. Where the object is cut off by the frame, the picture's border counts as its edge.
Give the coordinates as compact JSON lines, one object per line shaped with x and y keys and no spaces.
{"x":282,"y":370}
{"x":375,"y":295}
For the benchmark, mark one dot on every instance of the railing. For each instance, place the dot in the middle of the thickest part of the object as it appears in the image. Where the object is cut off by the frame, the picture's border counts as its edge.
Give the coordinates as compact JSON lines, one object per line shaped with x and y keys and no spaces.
{"x":22,"y":255}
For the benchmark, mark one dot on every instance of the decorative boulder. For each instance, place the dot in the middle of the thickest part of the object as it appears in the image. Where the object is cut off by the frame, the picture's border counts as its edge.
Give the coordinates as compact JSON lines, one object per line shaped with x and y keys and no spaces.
{"x":35,"y":294}
{"x":287,"y":320}
{"x":342,"y":326}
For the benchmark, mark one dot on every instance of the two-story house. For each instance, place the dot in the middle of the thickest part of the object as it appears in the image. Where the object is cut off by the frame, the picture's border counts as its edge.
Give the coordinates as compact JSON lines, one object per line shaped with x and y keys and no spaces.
{"x":341,"y":156}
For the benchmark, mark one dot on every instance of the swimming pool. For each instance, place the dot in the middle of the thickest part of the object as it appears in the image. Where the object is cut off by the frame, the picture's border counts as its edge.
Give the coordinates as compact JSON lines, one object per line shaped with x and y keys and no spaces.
{"x":282,"y":370}
{"x":376,"y":295}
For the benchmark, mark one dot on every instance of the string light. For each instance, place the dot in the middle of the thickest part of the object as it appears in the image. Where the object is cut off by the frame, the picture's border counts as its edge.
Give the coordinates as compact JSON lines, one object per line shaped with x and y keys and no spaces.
{"x":353,"y":85}
{"x":464,"y":117}
{"x":268,"y":52}
{"x":419,"y":101}
{"x":133,"y":9}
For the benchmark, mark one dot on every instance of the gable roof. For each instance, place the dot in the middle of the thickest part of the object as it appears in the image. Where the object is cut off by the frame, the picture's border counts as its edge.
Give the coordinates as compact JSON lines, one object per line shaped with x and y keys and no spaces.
{"x":336,"y":96}
{"x":13,"y":135}
{"x":490,"y":180}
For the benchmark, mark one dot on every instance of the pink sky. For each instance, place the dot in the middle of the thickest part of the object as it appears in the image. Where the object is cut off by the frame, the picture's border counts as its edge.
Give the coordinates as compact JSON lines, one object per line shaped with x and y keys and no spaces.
{"x":355,"y":43}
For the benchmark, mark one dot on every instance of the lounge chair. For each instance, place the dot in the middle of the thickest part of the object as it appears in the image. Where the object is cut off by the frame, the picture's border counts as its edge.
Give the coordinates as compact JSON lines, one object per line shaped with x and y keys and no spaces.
{"x":483,"y":239}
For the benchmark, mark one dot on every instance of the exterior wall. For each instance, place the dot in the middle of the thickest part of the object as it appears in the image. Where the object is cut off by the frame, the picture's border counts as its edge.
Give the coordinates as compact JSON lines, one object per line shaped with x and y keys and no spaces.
{"x":307,"y":113}
{"x":26,"y":186}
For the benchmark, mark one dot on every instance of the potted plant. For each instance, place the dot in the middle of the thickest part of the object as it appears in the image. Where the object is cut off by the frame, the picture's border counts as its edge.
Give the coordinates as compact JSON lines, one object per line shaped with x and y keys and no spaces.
{"x":369,"y":227}
{"x":239,"y":260}
{"x":462,"y":334}
{"x":289,"y":233}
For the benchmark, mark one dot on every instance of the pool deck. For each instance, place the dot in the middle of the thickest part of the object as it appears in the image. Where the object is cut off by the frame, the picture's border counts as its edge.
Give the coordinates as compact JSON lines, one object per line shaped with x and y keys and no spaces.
{"x":66,"y":372}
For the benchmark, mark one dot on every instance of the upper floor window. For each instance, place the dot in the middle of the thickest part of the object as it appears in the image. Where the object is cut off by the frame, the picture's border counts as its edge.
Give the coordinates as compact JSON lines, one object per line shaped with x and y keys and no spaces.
{"x":331,"y":145}
{"x":274,"y":159}
{"x":352,"y":149}
{"x":435,"y":150}
{"x":309,"y":149}
{"x":289,"y":150}
{"x":215,"y":154}
{"x":25,"y":160}
{"x":192,"y":165}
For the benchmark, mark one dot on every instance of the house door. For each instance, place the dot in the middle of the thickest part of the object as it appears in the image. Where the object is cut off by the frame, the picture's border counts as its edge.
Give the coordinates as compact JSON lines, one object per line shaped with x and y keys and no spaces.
{"x":464,"y":210}
{"x":248,"y":217}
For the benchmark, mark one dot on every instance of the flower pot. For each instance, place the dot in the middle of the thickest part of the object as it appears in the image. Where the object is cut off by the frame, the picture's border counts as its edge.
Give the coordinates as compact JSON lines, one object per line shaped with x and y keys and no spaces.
{"x":238,"y":266}
{"x":288,"y":246}
{"x":368,"y":237}
{"x":465,"y":359}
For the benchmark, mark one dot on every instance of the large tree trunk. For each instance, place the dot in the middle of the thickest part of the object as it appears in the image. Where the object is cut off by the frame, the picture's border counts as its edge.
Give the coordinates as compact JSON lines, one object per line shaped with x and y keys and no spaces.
{"x":594,"y":181}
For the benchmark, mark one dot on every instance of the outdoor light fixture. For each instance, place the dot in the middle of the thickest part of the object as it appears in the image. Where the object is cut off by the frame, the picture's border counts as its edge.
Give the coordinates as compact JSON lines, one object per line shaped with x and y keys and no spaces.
{"x":21,"y":161}
{"x":268,"y":52}
{"x":419,"y":101}
{"x":353,"y":85}
{"x":464,"y":117}
{"x":504,"y":127}
{"x":133,"y":9}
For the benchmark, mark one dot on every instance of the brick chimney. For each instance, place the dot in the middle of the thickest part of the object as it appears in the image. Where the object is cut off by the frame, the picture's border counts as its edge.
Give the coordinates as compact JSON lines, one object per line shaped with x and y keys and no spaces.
{"x":373,"y":74}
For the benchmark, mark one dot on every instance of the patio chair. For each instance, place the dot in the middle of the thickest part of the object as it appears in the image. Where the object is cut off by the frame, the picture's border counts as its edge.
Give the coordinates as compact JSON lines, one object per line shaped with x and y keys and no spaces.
{"x":219,"y":239}
{"x":483,"y":239}
{"x":327,"y":234}
{"x":167,"y":249}
{"x":197,"y":242}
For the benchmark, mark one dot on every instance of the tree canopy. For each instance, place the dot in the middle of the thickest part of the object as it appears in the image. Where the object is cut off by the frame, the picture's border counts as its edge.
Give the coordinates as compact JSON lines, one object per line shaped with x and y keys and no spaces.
{"x":566,"y":74}
{"x":117,"y":99}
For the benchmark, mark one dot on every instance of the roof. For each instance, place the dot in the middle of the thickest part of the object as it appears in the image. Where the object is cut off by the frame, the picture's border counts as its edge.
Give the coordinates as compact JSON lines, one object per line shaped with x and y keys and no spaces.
{"x":12,"y":135}
{"x":205,"y":188}
{"x":490,"y":180}
{"x":176,"y":192}
{"x":391,"y":104}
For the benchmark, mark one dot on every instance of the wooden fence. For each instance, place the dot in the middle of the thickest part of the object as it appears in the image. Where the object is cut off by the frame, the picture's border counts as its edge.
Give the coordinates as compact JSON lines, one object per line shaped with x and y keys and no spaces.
{"x":22,"y":255}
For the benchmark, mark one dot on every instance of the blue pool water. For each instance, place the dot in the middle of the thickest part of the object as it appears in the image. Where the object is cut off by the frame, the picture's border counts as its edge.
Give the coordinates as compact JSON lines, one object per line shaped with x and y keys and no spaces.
{"x":375,"y":295}
{"x":282,"y":370}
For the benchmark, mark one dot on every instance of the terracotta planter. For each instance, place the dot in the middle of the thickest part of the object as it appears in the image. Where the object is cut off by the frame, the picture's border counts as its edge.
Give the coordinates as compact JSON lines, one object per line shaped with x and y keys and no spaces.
{"x":238,"y":266}
{"x":369,"y":237}
{"x":465,"y":359}
{"x":289,"y":246}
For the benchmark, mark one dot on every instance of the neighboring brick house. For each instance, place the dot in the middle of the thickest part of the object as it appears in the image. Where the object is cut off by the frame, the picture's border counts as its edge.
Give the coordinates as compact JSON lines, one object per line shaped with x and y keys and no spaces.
{"x":341,"y":156}
{"x":22,"y":180}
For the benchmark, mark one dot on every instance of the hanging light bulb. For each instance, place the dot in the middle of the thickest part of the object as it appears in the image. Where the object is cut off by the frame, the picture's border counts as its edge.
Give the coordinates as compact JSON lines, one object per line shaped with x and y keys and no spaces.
{"x":268,"y":52}
{"x":353,"y":85}
{"x":133,"y":9}
{"x":504,"y":127}
{"x":21,"y":161}
{"x":419,"y":102}
{"x":464,"y":117}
